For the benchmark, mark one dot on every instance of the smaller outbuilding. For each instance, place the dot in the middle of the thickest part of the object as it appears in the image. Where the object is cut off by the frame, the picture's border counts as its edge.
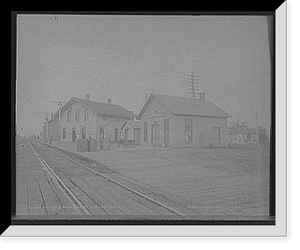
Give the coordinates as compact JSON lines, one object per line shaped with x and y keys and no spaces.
{"x":131,"y":130}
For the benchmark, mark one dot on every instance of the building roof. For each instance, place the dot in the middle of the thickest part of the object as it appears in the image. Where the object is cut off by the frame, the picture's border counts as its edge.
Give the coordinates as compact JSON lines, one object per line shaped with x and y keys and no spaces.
{"x":132,"y":123}
{"x":106,"y":109}
{"x":100,"y":108}
{"x":186,"y":106}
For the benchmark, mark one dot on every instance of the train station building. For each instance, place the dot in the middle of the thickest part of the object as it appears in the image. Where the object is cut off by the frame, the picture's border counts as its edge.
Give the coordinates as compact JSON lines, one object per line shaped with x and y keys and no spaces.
{"x":183,"y":122}
{"x":164,"y":120}
{"x":83,"y":118}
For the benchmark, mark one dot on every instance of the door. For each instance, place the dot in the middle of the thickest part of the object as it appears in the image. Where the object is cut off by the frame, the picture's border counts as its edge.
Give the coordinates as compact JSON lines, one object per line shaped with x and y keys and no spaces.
{"x":137,"y":136}
{"x":154,"y":134}
{"x":216,"y":137}
{"x":127,"y":134}
{"x":73,"y":135}
{"x":116,"y":135}
{"x":83,"y":133}
{"x":166,"y":133}
{"x":101,"y":136}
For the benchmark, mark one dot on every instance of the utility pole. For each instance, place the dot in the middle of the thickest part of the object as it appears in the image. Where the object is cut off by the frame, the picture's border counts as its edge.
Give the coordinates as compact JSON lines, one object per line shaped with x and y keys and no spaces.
{"x":147,"y":96}
{"x":257,"y":130}
{"x":60,"y":103}
{"x":193,"y":84}
{"x":47,"y":128}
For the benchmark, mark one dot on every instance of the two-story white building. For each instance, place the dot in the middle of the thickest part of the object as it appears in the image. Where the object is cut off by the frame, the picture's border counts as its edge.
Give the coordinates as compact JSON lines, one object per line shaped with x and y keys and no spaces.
{"x":83,"y":118}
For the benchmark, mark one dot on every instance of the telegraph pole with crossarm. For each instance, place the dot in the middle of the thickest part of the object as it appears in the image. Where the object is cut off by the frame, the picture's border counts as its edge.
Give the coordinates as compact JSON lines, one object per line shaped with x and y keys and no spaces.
{"x":193,"y":84}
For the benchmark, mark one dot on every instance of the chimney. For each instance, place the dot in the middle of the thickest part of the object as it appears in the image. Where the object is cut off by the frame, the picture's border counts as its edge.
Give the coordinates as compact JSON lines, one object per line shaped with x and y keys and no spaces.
{"x":131,"y":115}
{"x":202,"y":96}
{"x":51,"y":116}
{"x":109,"y":101}
{"x":88,"y":96}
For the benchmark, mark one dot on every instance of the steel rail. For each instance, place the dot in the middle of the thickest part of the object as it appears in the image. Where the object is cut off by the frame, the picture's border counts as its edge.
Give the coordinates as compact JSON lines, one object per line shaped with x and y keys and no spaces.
{"x":121,"y":185}
{"x":76,"y":203}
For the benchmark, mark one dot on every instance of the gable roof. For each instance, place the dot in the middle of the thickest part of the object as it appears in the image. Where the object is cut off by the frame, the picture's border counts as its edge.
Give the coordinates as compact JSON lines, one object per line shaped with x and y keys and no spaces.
{"x":106,"y":109}
{"x":186,"y":106}
{"x":134,"y":124}
{"x":100,"y":108}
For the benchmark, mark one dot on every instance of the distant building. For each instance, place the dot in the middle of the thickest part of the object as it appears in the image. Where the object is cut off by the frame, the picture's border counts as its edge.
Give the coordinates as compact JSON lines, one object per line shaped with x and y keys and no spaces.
{"x":51,"y":128}
{"x":83,"y":118}
{"x":187,"y":122}
{"x":44,"y":131}
{"x":242,"y":136}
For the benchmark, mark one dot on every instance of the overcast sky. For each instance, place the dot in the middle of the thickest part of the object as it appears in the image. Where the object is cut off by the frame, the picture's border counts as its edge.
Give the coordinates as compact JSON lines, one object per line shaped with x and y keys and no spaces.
{"x":123,"y":58}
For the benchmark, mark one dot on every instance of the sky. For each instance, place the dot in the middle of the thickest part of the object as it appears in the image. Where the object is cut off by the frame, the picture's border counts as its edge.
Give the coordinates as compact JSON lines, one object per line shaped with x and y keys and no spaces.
{"x":126,"y":58}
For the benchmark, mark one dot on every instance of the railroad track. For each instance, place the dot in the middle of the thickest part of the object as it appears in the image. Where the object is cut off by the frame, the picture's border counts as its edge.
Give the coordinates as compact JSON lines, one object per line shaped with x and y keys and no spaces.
{"x":96,"y":190}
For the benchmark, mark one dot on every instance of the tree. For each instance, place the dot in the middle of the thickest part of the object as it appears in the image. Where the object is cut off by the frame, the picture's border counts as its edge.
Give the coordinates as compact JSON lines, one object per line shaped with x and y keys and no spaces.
{"x":263,"y":135}
{"x":236,"y":125}
{"x":244,"y":125}
{"x":233,"y":125}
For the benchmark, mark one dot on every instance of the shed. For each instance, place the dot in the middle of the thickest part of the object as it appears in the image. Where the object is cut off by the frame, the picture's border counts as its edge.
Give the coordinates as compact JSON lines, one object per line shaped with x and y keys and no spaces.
{"x":131,"y":130}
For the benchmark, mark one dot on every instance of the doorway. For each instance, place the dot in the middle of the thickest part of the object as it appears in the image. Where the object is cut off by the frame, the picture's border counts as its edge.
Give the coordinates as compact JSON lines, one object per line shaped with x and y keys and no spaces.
{"x":83,"y":133}
{"x":73,"y":134}
{"x":116,"y":135}
{"x":154,"y":134}
{"x":127,"y":134}
{"x":137,"y":136}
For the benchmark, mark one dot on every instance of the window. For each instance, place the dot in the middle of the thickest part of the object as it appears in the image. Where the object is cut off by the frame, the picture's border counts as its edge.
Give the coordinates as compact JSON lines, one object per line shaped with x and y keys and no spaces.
{"x":216,"y":137}
{"x":64,"y":133}
{"x":166,"y":132}
{"x":77,"y":115}
{"x":216,"y":133}
{"x":86,"y":114}
{"x":116,"y":134}
{"x":145,"y":131}
{"x":188,"y":131}
{"x":101,"y":132}
{"x":68,"y":115}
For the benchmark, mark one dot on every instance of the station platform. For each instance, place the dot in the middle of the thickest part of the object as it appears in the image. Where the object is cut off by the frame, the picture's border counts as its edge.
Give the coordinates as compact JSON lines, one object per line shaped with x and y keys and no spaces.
{"x":35,"y":194}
